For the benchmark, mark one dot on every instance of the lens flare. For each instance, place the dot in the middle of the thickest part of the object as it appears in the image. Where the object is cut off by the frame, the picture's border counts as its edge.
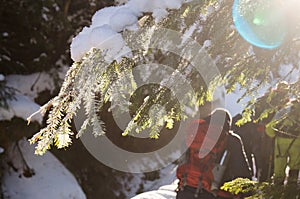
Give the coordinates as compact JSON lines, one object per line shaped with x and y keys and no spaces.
{"x":262,"y":23}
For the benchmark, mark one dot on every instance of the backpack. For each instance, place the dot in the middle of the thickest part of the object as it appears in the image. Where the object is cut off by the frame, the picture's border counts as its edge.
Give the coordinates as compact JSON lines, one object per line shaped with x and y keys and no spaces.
{"x":197,"y":172}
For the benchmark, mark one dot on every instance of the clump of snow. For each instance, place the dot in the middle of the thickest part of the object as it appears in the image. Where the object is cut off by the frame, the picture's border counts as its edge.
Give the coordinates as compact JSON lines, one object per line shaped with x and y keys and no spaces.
{"x":2,"y":77}
{"x":150,"y":6}
{"x":110,"y":40}
{"x":207,"y":43}
{"x":122,"y":19}
{"x":22,"y":106}
{"x":80,"y":45}
{"x":5,"y":34}
{"x":159,"y":14}
{"x":49,"y":180}
{"x":117,"y":17}
{"x":1,"y":150}
{"x":107,"y":23}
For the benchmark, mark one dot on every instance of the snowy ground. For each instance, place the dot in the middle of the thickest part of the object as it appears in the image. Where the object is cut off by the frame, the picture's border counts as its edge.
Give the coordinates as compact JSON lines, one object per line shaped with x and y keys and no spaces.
{"x":132,"y":185}
{"x":27,"y":88}
{"x":50,"y":179}
{"x":164,"y":192}
{"x":45,"y":176}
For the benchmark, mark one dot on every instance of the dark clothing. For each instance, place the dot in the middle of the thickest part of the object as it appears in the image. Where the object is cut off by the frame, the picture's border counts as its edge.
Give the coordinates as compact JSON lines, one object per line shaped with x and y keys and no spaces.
{"x":238,"y":165}
{"x":257,"y":144}
{"x":189,"y":192}
{"x":251,"y":139}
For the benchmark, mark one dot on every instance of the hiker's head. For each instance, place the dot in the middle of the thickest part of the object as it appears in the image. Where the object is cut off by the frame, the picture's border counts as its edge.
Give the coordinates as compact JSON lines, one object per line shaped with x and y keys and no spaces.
{"x":280,"y":94}
{"x":222,"y":117}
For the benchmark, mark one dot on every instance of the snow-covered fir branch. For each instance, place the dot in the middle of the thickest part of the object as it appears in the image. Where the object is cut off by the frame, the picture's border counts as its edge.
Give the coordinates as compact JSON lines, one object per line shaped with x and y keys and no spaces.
{"x":206,"y":52}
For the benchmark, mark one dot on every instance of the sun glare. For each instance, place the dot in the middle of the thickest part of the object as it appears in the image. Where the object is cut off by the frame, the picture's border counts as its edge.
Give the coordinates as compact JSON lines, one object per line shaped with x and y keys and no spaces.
{"x":266,"y":23}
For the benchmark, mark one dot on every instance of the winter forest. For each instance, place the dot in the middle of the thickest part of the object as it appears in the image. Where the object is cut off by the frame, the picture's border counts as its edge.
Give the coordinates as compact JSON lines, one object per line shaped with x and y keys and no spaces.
{"x":95,"y":95}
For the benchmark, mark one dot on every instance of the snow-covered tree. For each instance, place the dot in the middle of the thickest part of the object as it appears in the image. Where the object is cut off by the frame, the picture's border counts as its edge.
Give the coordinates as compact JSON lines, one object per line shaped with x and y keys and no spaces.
{"x":196,"y":40}
{"x":155,"y":61}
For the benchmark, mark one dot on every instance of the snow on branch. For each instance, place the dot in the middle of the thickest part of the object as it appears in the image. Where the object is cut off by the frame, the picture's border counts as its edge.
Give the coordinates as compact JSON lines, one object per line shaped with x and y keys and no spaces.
{"x":108,"y":54}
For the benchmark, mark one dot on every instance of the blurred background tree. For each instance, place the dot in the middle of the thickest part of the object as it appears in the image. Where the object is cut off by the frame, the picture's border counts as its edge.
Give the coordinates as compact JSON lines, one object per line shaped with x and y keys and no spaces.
{"x":36,"y":35}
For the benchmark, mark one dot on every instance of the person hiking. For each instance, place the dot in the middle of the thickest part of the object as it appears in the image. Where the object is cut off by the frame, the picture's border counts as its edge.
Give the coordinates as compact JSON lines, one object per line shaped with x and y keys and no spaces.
{"x":215,"y":155}
{"x":285,"y":128}
{"x":265,"y":110}
{"x":258,"y":147}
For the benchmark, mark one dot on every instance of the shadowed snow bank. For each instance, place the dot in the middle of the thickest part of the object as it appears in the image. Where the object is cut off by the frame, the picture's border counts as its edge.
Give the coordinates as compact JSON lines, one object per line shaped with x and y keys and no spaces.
{"x":27,"y":176}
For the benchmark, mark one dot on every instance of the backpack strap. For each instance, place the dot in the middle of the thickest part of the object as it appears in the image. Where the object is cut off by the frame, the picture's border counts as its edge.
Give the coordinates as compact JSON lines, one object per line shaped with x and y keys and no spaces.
{"x":288,"y":149}
{"x":199,"y":187}
{"x":184,"y":183}
{"x":183,"y":160}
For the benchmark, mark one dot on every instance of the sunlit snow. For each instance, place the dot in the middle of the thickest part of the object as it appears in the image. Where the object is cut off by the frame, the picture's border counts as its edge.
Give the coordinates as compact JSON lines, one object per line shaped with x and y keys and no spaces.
{"x":107,"y":23}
